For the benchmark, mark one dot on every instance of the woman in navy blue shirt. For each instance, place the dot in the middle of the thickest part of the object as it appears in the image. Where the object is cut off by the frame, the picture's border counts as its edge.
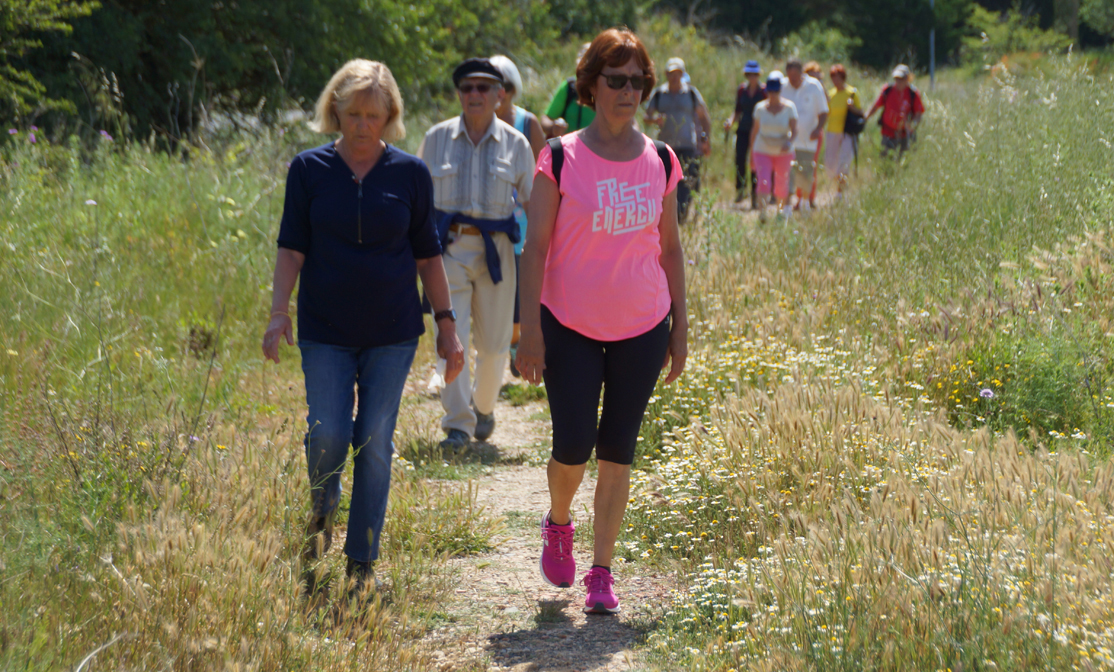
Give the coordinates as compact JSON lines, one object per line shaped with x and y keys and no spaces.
{"x":358,"y":227}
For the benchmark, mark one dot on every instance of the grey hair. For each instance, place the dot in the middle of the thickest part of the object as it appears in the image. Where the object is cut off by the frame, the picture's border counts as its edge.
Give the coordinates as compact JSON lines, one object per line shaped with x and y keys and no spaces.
{"x":511,"y":77}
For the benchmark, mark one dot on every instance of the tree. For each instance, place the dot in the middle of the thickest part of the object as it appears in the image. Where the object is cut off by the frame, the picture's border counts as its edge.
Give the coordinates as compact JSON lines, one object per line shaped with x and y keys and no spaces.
{"x":1098,"y":15}
{"x":172,"y":61}
{"x":20,"y":20}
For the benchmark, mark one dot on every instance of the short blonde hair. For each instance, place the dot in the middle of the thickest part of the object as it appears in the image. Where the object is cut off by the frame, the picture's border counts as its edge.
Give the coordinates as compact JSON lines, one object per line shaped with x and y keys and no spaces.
{"x":355,"y":77}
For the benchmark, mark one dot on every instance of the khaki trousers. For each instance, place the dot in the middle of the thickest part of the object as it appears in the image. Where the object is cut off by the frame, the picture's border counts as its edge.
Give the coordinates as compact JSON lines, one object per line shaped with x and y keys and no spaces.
{"x":484,"y":310}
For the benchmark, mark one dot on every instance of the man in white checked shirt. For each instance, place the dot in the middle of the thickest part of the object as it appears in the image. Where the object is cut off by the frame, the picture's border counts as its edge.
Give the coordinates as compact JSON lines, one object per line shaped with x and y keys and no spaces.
{"x":477,"y":162}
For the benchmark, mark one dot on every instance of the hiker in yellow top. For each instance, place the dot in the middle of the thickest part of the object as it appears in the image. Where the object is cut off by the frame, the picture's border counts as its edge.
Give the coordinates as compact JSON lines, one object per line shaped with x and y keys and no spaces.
{"x":842,"y":138}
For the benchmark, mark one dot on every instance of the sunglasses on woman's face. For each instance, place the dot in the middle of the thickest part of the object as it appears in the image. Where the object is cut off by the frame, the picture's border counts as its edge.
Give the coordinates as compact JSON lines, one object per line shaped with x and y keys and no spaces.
{"x":619,"y":82}
{"x":482,"y":89}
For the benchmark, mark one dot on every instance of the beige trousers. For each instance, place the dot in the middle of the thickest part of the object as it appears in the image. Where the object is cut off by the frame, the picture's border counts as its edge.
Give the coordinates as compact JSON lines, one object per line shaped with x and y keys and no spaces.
{"x":484,"y":310}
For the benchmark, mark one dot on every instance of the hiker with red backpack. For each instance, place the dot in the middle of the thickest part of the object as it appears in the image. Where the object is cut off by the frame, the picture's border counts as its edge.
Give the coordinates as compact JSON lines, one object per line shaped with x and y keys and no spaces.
{"x":603,"y":300}
{"x":902,"y":109}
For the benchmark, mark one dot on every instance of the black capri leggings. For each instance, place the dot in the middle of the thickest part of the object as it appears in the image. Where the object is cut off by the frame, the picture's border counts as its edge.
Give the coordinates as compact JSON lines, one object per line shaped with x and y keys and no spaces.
{"x":576,"y":367}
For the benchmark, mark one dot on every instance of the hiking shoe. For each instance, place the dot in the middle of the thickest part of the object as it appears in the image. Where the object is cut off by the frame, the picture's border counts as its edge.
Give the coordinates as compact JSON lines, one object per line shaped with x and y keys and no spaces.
{"x":361,"y":579}
{"x":485,"y":425}
{"x":601,"y":598}
{"x":319,"y":537}
{"x":457,"y":441}
{"x":557,"y":565}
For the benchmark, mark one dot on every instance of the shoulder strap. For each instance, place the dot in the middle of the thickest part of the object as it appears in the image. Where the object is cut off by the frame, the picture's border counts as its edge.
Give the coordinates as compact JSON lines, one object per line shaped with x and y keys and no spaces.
{"x":692,"y":94}
{"x":666,"y":160}
{"x":557,"y":150}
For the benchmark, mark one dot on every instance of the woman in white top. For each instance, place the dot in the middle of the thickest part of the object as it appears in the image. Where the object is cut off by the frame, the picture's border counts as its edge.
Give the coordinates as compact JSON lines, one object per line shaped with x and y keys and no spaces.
{"x":771,"y":141}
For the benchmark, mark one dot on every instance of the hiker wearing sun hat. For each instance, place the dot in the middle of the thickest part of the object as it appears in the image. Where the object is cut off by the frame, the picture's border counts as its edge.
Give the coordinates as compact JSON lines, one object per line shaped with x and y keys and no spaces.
{"x":771,"y":141}
{"x":678,"y":109}
{"x":902,"y":109}
{"x":478,"y":163}
{"x":749,"y":94}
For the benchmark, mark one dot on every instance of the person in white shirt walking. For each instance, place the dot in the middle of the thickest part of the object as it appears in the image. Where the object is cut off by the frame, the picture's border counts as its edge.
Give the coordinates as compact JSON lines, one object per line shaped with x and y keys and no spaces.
{"x":807,"y":95}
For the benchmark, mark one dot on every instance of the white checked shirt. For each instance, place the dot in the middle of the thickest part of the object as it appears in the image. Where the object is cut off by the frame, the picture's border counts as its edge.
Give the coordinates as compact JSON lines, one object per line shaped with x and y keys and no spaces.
{"x":479,"y":179}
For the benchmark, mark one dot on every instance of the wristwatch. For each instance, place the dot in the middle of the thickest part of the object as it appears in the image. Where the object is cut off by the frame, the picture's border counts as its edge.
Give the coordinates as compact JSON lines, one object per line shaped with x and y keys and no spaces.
{"x":442,"y":314}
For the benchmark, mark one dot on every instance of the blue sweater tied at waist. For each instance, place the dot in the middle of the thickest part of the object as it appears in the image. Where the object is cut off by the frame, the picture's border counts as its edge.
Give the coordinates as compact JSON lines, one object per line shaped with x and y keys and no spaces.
{"x":487,"y":227}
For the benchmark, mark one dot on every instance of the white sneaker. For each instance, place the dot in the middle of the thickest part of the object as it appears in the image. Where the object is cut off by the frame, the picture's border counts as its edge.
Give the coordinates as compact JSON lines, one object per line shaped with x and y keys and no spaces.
{"x":805,"y":207}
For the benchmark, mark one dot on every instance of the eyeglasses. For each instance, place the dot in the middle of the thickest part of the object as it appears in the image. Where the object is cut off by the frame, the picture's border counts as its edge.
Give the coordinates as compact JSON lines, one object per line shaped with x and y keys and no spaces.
{"x":619,"y":82}
{"x":482,"y":89}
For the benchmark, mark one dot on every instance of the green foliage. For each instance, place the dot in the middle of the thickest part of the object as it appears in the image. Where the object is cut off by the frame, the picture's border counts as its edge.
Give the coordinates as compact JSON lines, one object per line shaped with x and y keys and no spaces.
{"x":520,"y":394}
{"x":167,"y":67}
{"x":586,"y":17}
{"x":1013,"y":31}
{"x":1099,"y":15}
{"x":814,"y":40}
{"x":20,"y":21}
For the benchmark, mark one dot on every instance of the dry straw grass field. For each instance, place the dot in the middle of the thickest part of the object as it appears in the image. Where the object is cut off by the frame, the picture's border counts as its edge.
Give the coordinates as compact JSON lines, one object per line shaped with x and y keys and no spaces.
{"x":890,"y":450}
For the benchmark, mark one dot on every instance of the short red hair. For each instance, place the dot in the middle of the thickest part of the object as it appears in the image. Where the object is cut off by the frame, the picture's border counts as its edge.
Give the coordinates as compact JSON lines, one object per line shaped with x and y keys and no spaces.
{"x":838,"y":69}
{"x":613,"y":47}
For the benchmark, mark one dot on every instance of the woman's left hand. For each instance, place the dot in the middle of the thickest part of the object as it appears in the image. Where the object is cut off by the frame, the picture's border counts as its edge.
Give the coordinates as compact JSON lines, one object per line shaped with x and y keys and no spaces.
{"x":678,"y":351}
{"x":450,"y":350}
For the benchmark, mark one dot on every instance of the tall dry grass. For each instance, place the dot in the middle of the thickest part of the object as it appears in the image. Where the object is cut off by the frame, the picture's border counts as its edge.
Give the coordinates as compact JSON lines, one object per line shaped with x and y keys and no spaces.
{"x":152,"y":479}
{"x":891,"y":448}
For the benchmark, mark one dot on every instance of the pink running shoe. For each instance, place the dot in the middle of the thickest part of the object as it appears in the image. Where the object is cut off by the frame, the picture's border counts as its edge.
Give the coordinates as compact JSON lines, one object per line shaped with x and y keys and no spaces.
{"x":601,"y":598}
{"x":557,"y":565}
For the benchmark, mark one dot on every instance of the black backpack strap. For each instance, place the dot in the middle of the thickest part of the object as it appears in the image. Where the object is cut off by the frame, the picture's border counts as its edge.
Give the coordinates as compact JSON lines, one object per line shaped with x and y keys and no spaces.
{"x":666,"y":159}
{"x":572,"y":98}
{"x":557,"y":151}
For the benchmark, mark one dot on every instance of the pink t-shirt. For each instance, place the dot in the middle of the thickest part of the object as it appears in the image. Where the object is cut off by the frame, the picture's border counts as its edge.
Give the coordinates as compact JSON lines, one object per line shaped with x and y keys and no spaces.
{"x":603,"y":276}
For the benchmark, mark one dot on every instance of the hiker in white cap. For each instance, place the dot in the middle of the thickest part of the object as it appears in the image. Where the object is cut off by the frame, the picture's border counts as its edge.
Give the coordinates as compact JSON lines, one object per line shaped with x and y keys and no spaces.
{"x":678,"y":109}
{"x":902,"y":109}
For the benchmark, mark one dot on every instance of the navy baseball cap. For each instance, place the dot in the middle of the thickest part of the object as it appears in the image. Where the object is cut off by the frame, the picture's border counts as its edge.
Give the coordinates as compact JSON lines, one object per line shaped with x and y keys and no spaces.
{"x":476,"y":67}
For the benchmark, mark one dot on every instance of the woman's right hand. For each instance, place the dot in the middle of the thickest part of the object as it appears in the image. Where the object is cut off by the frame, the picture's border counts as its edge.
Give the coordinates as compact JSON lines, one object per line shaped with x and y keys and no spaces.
{"x":281,"y":325}
{"x":530,"y":360}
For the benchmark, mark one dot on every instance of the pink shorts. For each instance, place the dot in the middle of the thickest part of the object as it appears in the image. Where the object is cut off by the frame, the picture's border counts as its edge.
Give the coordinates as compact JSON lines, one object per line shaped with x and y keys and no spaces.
{"x":773,"y":173}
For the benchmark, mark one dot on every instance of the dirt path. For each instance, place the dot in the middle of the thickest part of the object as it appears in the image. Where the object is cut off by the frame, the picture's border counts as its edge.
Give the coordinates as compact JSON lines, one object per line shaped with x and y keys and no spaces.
{"x":502,"y":615}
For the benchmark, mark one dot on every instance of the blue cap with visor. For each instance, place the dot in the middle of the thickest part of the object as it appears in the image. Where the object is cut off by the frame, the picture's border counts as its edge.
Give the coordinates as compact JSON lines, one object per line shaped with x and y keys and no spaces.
{"x":752,"y":68}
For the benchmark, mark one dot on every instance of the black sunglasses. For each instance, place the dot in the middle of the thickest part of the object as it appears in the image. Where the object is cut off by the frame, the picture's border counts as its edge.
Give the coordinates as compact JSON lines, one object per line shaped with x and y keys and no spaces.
{"x":481,"y":88}
{"x":619,"y":82}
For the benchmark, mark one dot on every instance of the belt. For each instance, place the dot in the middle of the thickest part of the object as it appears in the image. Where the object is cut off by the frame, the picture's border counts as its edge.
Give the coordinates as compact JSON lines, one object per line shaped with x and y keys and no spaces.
{"x":465,"y":229}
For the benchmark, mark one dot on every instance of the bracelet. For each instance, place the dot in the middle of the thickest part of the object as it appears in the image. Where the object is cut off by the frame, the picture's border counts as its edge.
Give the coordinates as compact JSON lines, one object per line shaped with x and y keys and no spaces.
{"x":279,"y":312}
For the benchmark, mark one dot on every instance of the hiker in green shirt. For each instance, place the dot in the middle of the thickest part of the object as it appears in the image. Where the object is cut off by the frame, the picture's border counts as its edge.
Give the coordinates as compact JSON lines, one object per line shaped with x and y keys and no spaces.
{"x":565,"y":113}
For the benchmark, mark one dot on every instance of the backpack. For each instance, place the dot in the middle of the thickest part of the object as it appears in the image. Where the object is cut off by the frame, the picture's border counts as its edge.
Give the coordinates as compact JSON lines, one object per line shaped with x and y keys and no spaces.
{"x":572,"y":97}
{"x":908,"y":91}
{"x":692,"y":95}
{"x":854,"y":123}
{"x":558,"y":152}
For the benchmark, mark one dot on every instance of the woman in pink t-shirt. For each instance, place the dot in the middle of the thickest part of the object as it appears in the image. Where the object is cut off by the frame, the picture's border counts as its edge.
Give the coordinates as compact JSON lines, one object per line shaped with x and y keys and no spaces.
{"x":603,"y":300}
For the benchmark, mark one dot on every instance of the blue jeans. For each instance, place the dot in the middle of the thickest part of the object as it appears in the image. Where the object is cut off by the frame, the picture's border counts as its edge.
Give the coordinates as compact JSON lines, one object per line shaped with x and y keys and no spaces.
{"x":334,"y":376}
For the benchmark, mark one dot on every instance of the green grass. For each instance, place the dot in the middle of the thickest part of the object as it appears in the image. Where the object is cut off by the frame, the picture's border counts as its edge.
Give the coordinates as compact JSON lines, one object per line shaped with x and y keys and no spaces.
{"x":826,"y":468}
{"x":520,"y":394}
{"x":827,"y":471}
